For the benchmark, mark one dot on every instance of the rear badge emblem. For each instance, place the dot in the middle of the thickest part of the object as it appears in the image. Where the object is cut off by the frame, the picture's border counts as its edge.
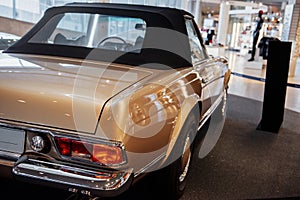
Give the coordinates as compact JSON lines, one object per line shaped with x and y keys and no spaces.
{"x":37,"y":143}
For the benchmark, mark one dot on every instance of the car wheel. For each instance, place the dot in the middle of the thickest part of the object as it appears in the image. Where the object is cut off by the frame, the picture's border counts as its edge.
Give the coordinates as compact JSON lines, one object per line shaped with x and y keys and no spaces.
{"x":172,"y":179}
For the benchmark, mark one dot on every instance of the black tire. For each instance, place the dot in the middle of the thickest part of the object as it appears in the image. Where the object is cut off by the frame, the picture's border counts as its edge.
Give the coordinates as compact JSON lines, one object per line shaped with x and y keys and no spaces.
{"x":171,"y":180}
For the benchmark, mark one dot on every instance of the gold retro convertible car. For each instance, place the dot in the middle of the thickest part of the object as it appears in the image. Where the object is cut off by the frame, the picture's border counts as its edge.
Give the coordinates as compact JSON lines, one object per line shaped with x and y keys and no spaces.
{"x":96,"y":96}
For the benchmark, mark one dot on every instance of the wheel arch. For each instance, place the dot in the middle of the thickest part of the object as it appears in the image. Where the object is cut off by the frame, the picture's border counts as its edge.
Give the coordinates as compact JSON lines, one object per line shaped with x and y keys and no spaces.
{"x":189,"y":106}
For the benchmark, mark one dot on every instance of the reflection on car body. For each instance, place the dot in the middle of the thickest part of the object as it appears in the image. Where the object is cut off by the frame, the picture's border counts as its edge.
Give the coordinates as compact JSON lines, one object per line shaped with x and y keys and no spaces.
{"x":101,"y":95}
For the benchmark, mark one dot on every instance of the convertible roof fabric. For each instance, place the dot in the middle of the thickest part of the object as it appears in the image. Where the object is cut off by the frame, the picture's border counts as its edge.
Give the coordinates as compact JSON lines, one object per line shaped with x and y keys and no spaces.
{"x":165,"y":43}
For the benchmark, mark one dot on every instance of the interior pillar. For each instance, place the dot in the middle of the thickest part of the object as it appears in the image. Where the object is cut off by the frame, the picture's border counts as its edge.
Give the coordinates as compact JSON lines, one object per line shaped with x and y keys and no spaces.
{"x":223,"y":23}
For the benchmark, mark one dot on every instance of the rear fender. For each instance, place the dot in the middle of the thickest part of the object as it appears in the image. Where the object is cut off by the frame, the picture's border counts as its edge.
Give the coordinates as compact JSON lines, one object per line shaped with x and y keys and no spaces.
{"x":189,"y":106}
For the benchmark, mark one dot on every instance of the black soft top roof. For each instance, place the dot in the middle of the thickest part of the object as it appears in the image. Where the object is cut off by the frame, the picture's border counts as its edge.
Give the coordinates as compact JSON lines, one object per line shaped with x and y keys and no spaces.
{"x":166,"y":43}
{"x":155,"y":16}
{"x":167,"y":12}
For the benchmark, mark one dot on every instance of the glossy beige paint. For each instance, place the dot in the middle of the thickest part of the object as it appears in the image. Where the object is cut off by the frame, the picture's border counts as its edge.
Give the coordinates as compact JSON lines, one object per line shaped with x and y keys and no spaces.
{"x":60,"y":93}
{"x":69,"y":94}
{"x":145,"y":119}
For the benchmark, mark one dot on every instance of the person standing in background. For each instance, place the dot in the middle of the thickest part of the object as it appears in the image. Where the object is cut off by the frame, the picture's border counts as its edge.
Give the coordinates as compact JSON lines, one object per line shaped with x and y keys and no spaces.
{"x":256,"y":32}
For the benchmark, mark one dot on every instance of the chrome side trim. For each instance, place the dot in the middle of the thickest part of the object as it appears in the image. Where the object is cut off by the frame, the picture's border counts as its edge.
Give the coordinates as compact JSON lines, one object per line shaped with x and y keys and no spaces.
{"x":72,"y":176}
{"x":209,"y":112}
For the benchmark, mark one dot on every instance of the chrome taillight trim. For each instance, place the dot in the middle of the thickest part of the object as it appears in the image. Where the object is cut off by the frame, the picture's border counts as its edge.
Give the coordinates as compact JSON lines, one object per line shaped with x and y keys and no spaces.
{"x":68,"y":134}
{"x":93,"y":141}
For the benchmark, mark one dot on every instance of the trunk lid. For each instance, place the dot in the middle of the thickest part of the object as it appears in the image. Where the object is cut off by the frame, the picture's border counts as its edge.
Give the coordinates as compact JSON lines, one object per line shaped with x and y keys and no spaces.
{"x":60,"y":93}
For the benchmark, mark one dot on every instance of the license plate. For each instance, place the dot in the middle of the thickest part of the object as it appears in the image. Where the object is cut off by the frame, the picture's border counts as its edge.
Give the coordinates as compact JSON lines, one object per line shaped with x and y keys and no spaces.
{"x":12,"y":140}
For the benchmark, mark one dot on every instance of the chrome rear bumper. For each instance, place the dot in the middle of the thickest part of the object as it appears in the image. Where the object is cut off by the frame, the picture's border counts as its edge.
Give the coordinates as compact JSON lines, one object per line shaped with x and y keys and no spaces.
{"x":75,"y":179}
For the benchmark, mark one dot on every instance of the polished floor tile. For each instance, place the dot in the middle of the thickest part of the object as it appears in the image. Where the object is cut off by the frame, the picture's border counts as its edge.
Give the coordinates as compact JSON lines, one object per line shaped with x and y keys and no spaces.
{"x":247,"y":79}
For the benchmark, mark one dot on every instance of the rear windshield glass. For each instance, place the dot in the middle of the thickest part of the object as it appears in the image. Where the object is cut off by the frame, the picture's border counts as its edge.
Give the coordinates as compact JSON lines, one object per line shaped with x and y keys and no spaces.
{"x":114,"y":33}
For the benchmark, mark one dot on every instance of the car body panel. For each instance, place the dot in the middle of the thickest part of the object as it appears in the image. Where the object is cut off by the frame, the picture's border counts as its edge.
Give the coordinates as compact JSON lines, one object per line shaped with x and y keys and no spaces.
{"x":61,"y":91}
{"x":154,"y":109}
{"x":96,"y":120}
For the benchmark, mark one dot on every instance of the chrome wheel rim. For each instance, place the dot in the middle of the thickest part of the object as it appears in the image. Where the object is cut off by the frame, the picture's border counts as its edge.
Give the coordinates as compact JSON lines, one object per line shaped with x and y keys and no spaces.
{"x":185,"y":160}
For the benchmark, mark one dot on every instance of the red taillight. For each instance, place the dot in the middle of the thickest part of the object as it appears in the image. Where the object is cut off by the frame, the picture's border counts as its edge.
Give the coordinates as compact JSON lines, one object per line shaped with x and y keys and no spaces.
{"x":81,"y":149}
{"x":107,"y":155}
{"x":100,"y":153}
{"x":64,"y":146}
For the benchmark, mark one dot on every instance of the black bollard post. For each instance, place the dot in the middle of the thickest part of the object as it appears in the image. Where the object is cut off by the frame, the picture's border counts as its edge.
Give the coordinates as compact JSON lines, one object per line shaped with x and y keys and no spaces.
{"x":275,"y":86}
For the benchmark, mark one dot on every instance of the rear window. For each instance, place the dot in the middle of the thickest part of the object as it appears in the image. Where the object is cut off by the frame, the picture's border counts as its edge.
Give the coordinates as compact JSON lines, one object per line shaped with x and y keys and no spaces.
{"x":114,"y":33}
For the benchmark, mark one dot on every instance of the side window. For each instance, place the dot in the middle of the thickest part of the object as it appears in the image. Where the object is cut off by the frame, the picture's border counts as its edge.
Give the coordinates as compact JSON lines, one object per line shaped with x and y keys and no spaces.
{"x":197,"y":50}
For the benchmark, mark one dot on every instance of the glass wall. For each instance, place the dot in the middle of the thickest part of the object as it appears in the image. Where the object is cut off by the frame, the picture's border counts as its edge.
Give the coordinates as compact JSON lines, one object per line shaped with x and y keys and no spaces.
{"x":33,"y":10}
{"x":28,"y":10}
{"x":169,"y":3}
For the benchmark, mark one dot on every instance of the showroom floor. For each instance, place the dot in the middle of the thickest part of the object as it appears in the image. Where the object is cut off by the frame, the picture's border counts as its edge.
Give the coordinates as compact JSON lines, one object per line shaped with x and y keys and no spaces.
{"x":248,"y":163}
{"x":247,"y":77}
